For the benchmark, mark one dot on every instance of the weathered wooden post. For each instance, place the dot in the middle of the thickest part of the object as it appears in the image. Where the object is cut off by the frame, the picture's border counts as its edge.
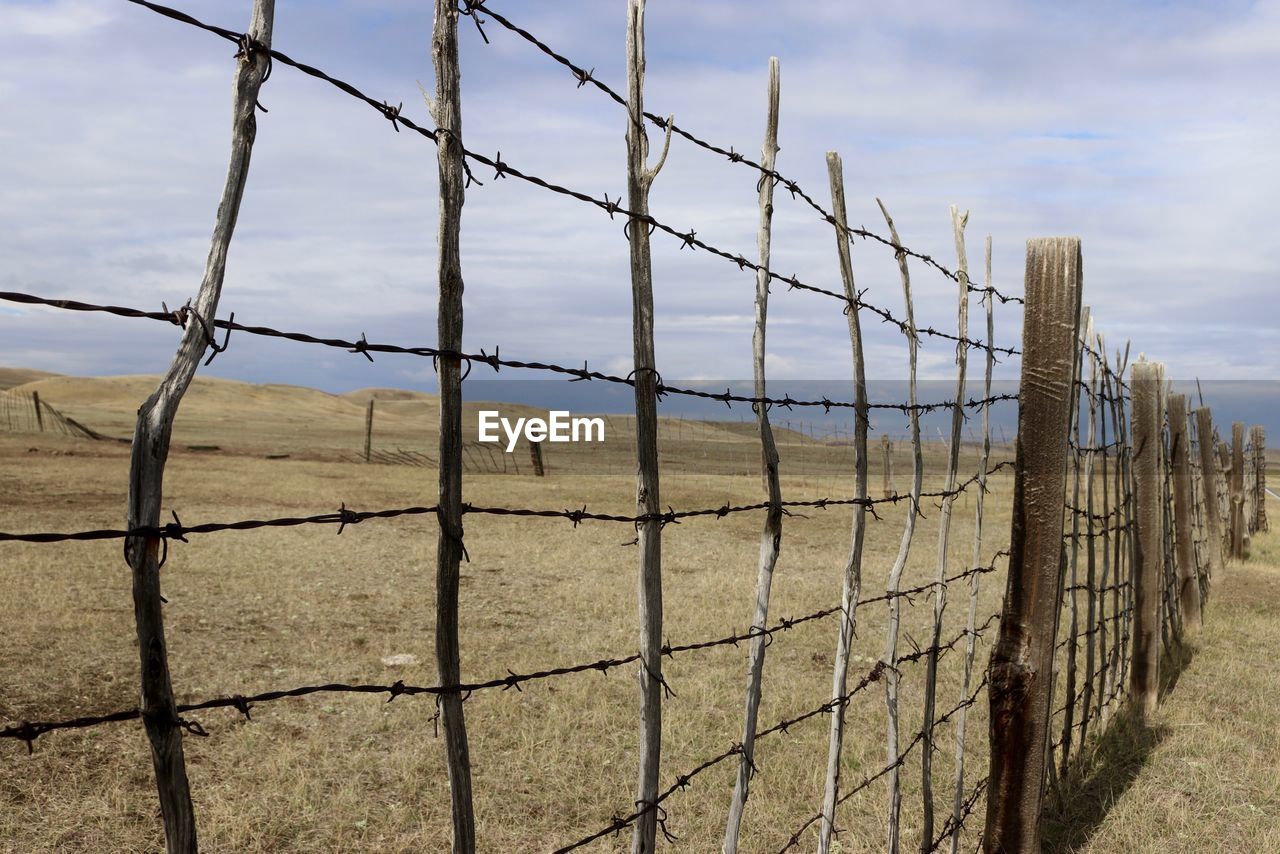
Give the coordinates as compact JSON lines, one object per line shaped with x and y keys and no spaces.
{"x":1022,"y":661}
{"x":447,"y":114}
{"x":886,"y":447}
{"x":35,"y":403}
{"x":1238,"y":523}
{"x":640,"y":177}
{"x":535,"y":457}
{"x":150,"y":451}
{"x":1145,"y":380}
{"x":771,"y":533}
{"x":1209,"y":480}
{"x":1183,"y":514}
{"x":368,"y":431}
{"x":1260,"y":478}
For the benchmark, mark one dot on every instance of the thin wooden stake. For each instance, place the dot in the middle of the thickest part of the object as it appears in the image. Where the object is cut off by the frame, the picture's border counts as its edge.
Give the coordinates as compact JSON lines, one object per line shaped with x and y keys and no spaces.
{"x":771,"y":535}
{"x":886,"y":445}
{"x":927,"y":748}
{"x":1145,"y":381}
{"x":151,"y":450}
{"x":648,"y":498}
{"x":894,"y":586}
{"x":852,"y":580}
{"x":971,"y":637}
{"x":1022,"y":660}
{"x":368,"y":431}
{"x":447,"y":113}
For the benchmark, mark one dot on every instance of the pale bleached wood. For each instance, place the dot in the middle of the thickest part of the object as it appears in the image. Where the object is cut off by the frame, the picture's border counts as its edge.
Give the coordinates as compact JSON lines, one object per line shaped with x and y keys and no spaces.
{"x":1183,"y":529}
{"x":971,"y":637}
{"x":1106,"y":681}
{"x":1022,"y":661}
{"x":1209,"y":483}
{"x":447,"y":113}
{"x":1146,"y":379}
{"x":640,"y":178}
{"x":150,"y":451}
{"x":1075,"y":464}
{"x":1091,"y":559}
{"x":927,"y":747}
{"x":771,"y":535}
{"x":886,"y":470}
{"x":851,"y":584}
{"x":894,"y":585}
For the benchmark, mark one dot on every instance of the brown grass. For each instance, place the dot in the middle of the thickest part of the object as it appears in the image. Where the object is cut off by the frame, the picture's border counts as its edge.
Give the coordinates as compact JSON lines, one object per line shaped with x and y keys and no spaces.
{"x":259,"y":610}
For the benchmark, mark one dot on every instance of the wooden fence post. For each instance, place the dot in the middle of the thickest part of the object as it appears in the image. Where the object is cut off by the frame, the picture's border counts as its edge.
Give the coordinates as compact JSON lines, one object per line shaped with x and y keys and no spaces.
{"x":1260,"y":477}
{"x":771,"y":534}
{"x":447,"y":114}
{"x":640,"y":177}
{"x":150,"y":451}
{"x":1022,"y":661}
{"x":851,"y":587}
{"x":1183,"y":514}
{"x":886,"y":446}
{"x":35,"y":402}
{"x":368,"y":431}
{"x":1209,"y":480}
{"x":535,"y":457}
{"x":1238,"y":524}
{"x":1146,"y":379}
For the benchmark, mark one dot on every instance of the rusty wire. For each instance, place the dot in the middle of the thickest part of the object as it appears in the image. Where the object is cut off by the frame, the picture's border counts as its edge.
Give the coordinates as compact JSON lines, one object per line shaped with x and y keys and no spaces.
{"x":609,"y":206}
{"x":363,"y":347}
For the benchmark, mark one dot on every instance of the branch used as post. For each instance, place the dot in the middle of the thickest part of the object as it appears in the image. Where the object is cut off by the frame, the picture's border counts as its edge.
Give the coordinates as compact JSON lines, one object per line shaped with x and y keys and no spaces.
{"x":151,"y":450}
{"x":1260,"y":477}
{"x":851,"y":587}
{"x":1022,"y":661}
{"x":447,"y":114}
{"x":927,"y":748}
{"x":1183,"y":514}
{"x":368,"y":431}
{"x":1146,"y":379}
{"x":971,"y":637}
{"x":771,"y":535}
{"x":886,"y":446}
{"x":894,"y":586}
{"x":640,"y":177}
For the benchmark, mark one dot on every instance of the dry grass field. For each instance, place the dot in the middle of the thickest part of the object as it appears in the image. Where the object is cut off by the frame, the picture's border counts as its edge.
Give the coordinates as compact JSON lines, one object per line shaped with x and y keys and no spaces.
{"x":260,"y":610}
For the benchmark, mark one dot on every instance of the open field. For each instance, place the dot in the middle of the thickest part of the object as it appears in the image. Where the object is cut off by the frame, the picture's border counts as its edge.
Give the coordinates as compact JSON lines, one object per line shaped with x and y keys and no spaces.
{"x":251,"y":611}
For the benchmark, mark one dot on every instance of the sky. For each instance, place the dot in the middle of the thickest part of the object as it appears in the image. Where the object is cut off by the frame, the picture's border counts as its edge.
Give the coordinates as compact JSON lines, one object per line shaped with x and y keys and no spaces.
{"x":1148,"y":129}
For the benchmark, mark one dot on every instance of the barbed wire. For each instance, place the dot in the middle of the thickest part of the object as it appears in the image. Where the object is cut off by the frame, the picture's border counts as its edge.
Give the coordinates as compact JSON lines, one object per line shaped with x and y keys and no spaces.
{"x":363,"y":347}
{"x":343,"y":517}
{"x":583,"y":76}
{"x":29,"y":731}
{"x":610,"y":206}
{"x":902,"y":757}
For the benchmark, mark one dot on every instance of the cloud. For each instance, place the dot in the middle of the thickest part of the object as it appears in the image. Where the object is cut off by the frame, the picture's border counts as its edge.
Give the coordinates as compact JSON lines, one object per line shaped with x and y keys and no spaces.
{"x":1149,"y":133}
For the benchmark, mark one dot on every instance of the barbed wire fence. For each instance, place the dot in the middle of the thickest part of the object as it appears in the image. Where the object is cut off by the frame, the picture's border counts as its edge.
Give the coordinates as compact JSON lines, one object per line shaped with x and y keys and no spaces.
{"x":1099,"y":591}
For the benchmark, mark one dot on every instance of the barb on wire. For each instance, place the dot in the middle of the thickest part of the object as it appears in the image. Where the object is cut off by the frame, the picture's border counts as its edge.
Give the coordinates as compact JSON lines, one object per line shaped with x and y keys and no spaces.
{"x":177,"y":531}
{"x":363,"y":347}
{"x":582,"y":77}
{"x":687,"y":237}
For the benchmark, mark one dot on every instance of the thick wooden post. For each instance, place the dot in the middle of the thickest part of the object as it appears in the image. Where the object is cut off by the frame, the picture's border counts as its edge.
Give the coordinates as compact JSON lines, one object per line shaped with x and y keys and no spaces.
{"x":1238,"y":523}
{"x":1183,"y":514}
{"x":1260,"y":477}
{"x":640,"y":177}
{"x":447,"y":113}
{"x":35,"y":403}
{"x":1021,"y":665}
{"x":368,"y":431}
{"x":535,"y":457}
{"x":1146,"y":379}
{"x":1212,"y":501}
